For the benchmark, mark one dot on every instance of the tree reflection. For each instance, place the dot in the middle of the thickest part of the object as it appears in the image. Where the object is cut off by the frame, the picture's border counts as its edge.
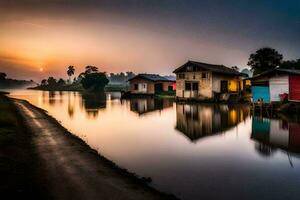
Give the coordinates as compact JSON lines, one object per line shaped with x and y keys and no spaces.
{"x":93,"y":102}
{"x":51,"y":97}
{"x":71,"y":107}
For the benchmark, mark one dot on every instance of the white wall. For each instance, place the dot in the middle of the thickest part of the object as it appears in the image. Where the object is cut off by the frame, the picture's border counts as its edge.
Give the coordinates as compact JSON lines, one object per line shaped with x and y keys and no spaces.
{"x":278,"y":135}
{"x":278,"y":85}
{"x":142,"y":87}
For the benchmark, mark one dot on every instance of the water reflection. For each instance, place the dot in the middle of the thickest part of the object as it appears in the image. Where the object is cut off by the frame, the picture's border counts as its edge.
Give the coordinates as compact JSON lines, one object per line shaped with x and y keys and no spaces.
{"x":71,"y":104}
{"x":92,"y":103}
{"x":200,"y":120}
{"x":273,"y":133}
{"x":150,"y":146}
{"x":146,"y":105}
{"x":51,"y":97}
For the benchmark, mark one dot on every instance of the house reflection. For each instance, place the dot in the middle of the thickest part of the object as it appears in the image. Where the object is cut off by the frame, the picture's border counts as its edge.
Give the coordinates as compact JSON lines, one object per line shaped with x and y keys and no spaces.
{"x":93,"y":102}
{"x":146,"y":105}
{"x":200,"y":120}
{"x":276,"y":133}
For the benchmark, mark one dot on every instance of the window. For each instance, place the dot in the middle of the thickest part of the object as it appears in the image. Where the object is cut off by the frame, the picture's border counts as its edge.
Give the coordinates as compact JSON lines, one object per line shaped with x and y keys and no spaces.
{"x":181,"y":76}
{"x":189,"y":68}
{"x":195,"y":86}
{"x":188,"y":86}
{"x":204,"y":75}
{"x":136,"y":86}
{"x":191,"y":86}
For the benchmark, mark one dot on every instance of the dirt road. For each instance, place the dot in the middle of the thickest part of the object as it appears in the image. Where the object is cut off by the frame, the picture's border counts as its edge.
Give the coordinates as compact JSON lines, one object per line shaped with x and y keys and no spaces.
{"x":74,"y":171}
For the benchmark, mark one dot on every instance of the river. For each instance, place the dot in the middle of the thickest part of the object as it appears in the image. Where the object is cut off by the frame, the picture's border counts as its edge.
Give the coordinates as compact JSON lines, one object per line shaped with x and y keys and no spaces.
{"x":193,"y":151}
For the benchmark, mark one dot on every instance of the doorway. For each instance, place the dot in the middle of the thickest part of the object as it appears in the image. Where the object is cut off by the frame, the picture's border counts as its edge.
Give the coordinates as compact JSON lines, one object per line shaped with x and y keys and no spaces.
{"x":224,"y":86}
{"x":158,"y":88}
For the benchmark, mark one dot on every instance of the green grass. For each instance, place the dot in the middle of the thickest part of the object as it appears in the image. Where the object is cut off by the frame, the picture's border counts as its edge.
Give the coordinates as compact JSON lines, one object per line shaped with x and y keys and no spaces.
{"x":168,"y":94}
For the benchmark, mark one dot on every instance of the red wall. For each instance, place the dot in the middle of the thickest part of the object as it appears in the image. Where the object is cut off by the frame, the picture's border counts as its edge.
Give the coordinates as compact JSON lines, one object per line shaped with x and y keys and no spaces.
{"x":174,"y":86}
{"x":294,"y":82}
{"x":294,"y":136}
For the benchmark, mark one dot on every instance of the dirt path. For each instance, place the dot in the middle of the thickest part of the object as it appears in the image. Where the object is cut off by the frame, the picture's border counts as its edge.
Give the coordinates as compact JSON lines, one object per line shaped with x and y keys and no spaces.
{"x":74,"y":171}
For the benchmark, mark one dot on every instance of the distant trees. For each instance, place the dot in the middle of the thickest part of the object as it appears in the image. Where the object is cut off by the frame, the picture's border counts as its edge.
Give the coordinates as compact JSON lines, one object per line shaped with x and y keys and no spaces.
{"x":51,"y":81}
{"x":44,"y":82}
{"x":235,"y":68}
{"x":9,"y":83}
{"x":91,"y":79}
{"x":2,"y":76}
{"x":61,"y":82}
{"x":120,"y":78}
{"x":264,"y":59}
{"x":291,"y":64}
{"x":70,"y":72}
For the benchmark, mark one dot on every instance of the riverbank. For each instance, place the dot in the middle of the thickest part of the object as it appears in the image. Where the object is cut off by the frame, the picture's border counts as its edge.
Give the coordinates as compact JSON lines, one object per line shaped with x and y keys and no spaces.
{"x":19,"y":166}
{"x":71,"y":169}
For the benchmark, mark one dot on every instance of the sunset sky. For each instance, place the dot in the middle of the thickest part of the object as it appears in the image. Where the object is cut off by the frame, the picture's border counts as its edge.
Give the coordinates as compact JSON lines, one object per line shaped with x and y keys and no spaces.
{"x":39,"y":38}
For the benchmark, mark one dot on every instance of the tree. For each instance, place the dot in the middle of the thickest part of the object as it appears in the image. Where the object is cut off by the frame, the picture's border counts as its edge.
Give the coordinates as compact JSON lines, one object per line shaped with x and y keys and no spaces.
{"x":291,"y":64}
{"x":70,"y":72}
{"x":90,"y":69}
{"x":2,"y":76}
{"x":235,"y":68}
{"x":61,"y":82}
{"x":94,"y":81}
{"x":264,"y":59}
{"x":44,"y":82}
{"x":51,"y":81}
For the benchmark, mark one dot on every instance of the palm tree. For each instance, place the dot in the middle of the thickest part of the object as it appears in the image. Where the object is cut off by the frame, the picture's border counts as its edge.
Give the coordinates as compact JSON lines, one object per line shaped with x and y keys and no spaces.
{"x":70,"y":72}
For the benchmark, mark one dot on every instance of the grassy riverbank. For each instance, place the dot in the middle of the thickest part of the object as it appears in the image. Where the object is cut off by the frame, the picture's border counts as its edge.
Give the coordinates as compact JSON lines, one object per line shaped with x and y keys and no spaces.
{"x":20,"y":177}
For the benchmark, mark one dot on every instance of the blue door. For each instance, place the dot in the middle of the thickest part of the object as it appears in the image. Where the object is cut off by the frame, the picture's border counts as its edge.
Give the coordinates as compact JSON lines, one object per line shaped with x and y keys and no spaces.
{"x":261,"y":92}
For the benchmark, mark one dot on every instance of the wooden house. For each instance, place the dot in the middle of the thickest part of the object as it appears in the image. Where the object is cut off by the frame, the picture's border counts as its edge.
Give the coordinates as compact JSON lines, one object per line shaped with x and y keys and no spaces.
{"x":150,"y":84}
{"x":272,"y":85}
{"x":203,"y":81}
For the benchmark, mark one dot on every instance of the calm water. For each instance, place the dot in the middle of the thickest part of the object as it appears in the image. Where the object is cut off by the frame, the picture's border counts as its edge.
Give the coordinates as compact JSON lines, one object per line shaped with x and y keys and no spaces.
{"x":191,"y":150}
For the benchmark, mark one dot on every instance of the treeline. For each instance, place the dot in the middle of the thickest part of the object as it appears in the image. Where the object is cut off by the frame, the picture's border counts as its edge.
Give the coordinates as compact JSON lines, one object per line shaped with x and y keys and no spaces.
{"x":91,"y":79}
{"x":8,"y":83}
{"x":267,"y":58}
{"x":120,"y":78}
